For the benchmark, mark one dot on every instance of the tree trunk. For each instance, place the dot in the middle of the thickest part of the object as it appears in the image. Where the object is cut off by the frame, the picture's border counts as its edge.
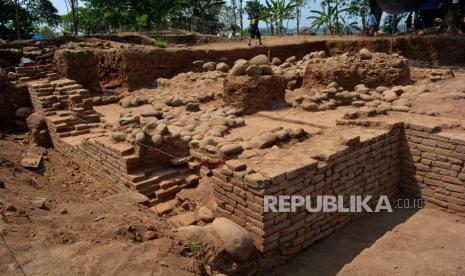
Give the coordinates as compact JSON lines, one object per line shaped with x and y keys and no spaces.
{"x":241,"y":19}
{"x":18,"y":34}
{"x":298,"y":18}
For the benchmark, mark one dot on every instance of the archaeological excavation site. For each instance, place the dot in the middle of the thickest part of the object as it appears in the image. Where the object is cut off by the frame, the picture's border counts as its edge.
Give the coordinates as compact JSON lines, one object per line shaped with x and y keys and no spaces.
{"x":118,"y":158}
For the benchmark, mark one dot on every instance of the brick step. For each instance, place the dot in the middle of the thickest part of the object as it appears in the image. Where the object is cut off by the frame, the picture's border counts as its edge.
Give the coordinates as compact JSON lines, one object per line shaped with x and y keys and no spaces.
{"x":155,"y":178}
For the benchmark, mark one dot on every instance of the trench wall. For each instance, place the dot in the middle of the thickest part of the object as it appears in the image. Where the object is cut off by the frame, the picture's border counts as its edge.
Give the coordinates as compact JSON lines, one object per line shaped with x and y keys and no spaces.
{"x":137,"y":67}
{"x":433,"y":167}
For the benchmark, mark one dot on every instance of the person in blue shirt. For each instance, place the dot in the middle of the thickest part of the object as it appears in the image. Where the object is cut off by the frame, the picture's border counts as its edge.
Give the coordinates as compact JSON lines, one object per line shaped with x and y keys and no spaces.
{"x":373,"y":24}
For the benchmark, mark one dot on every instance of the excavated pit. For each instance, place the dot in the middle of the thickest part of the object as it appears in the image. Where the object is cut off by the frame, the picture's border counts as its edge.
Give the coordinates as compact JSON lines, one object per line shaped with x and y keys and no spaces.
{"x":344,"y":138}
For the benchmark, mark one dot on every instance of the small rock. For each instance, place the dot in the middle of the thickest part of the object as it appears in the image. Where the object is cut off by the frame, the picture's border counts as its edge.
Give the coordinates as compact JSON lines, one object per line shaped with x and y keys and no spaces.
{"x":292,"y":59}
{"x":193,"y":107}
{"x":148,"y":235}
{"x":39,"y":203}
{"x":239,"y":67}
{"x":118,"y":136}
{"x":231,"y":149}
{"x":165,"y":207}
{"x":222,"y":67}
{"x":2,"y":184}
{"x":322,"y":54}
{"x":205,"y":214}
{"x":23,"y":112}
{"x":276,"y":61}
{"x":400,"y":108}
{"x":183,"y":219}
{"x":266,"y":70}
{"x":309,"y":106}
{"x":365,"y":54}
{"x":64,"y":211}
{"x":358,"y":103}
{"x":209,"y":66}
{"x":157,"y":140}
{"x":389,"y":96}
{"x":259,"y":60}
{"x":253,"y":70}
{"x":140,"y":137}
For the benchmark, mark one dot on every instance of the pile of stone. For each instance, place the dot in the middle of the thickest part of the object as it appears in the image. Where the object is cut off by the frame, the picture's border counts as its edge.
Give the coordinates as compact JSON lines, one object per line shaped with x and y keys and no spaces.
{"x":225,"y":148}
{"x":333,"y":96}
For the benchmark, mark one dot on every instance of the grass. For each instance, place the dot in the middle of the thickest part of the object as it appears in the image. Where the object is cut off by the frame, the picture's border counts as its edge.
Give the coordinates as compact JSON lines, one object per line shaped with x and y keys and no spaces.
{"x":160,"y":43}
{"x":196,"y":247}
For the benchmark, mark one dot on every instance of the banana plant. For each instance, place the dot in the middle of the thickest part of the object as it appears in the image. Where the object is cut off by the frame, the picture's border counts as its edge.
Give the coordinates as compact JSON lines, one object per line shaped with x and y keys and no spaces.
{"x":277,"y":12}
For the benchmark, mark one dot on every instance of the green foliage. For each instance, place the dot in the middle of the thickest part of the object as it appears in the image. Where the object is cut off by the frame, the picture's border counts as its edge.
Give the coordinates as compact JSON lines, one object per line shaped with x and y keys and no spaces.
{"x":30,"y":14}
{"x":142,"y":22}
{"x":196,"y":247}
{"x":160,"y":43}
{"x":2,"y":42}
{"x":332,"y":19}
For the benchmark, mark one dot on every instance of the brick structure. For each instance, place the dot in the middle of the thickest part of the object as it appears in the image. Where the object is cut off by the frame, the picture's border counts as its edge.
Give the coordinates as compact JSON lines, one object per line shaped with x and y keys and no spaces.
{"x":29,"y":73}
{"x":433,"y":167}
{"x":369,"y":167}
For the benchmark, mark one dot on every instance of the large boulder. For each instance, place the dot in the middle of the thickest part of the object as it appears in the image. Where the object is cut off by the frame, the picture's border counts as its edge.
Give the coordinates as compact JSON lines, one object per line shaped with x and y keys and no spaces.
{"x":252,"y":94}
{"x":348,"y":71}
{"x":234,"y":239}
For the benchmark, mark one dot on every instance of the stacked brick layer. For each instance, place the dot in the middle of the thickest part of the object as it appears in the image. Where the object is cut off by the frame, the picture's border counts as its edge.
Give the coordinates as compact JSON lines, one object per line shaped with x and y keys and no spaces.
{"x":371,"y":168}
{"x":433,"y":168}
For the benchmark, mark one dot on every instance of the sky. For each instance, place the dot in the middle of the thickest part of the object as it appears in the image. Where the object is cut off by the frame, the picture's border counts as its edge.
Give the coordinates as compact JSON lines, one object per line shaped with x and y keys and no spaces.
{"x":312,"y":5}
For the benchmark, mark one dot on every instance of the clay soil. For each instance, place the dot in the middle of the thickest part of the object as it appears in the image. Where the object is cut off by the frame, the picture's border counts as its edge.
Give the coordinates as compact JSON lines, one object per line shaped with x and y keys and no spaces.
{"x":86,"y":227}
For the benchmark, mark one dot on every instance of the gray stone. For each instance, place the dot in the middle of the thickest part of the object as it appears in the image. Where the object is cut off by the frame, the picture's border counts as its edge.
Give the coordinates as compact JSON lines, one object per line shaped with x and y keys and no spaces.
{"x":276,"y":61}
{"x":118,"y":136}
{"x":365,"y":54}
{"x":209,"y":66}
{"x":231,"y":149}
{"x":389,"y":96}
{"x":222,"y":67}
{"x":259,"y":60}
{"x":157,"y":140}
{"x":235,"y":239}
{"x":239,"y":67}
{"x":205,"y":214}
{"x":253,"y":70}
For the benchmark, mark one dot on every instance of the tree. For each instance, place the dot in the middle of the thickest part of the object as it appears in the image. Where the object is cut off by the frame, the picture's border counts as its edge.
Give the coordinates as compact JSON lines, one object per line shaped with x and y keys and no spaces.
{"x":330,"y":18}
{"x":278,"y":11}
{"x":299,"y":4}
{"x":22,"y":16}
{"x":241,"y":16}
{"x":74,"y":5}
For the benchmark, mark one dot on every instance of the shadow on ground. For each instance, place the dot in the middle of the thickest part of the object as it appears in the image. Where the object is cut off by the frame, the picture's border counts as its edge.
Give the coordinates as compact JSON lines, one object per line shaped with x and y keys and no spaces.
{"x":330,"y":255}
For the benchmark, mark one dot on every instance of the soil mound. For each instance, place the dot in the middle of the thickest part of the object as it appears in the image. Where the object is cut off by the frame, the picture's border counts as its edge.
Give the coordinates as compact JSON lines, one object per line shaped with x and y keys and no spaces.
{"x":371,"y":69}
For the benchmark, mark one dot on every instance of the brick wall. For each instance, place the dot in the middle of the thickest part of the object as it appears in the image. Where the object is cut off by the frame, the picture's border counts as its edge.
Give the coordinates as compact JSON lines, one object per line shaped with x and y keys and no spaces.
{"x":433,"y":167}
{"x":369,"y":168}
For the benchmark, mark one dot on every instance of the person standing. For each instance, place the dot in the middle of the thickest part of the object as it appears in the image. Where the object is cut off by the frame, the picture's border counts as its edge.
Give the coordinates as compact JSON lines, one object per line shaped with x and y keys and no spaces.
{"x":373,"y":24}
{"x":254,"y":30}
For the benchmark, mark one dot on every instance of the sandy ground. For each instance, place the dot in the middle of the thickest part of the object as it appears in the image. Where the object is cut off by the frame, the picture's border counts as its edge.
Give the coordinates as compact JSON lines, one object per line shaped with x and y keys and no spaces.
{"x":406,"y":242}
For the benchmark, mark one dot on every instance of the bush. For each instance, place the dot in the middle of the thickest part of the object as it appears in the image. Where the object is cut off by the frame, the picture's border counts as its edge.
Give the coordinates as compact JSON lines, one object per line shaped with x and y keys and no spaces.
{"x":160,"y":43}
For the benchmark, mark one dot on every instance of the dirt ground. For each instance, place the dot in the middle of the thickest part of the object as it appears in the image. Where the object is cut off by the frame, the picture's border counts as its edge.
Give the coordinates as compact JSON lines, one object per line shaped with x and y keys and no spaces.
{"x":89,"y":228}
{"x":85,"y":226}
{"x":407,"y":242}
{"x":62,"y":221}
